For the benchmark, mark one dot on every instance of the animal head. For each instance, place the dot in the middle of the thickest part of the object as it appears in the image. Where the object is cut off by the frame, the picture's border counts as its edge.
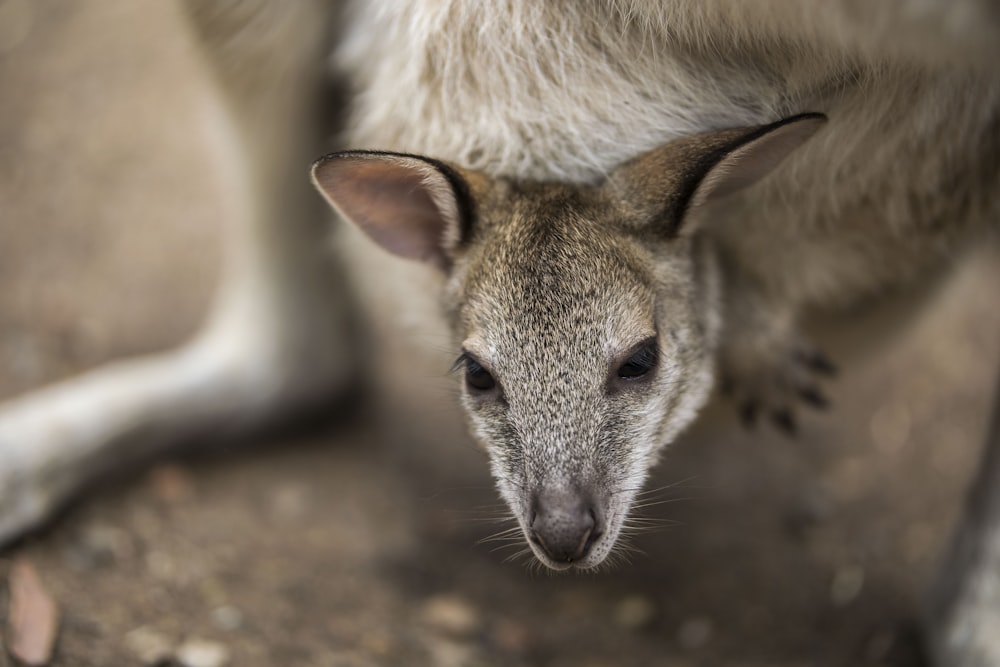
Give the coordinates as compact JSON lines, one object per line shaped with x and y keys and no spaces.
{"x":586,"y":315}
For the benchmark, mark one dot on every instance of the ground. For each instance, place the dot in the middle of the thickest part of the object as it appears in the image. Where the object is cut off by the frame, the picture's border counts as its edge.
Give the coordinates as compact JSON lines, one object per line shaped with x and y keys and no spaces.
{"x":348,"y":543}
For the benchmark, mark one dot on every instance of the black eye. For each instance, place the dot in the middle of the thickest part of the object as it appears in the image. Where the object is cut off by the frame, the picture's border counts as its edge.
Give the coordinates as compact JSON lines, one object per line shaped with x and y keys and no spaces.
{"x":476,"y":377}
{"x":640,"y":363}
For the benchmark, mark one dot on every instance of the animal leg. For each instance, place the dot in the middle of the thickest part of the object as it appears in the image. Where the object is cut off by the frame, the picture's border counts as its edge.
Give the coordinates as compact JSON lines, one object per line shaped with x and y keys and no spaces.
{"x":765,"y":364}
{"x":277,"y":337}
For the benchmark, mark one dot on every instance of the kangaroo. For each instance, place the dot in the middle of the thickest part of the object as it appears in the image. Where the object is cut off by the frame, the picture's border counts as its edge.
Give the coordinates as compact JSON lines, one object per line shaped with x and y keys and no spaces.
{"x":587,"y":315}
{"x":600,"y":275}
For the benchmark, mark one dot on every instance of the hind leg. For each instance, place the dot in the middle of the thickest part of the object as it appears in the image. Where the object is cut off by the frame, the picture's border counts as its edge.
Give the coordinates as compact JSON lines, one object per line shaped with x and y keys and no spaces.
{"x":965,"y":602}
{"x":278,"y":335}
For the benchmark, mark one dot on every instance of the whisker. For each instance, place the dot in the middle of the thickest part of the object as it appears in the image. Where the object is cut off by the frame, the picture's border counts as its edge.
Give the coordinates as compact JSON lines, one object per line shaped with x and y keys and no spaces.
{"x":666,"y":501}
{"x":452,"y":489}
{"x":526,"y":551}
{"x":650,"y":521}
{"x":493,"y":510}
{"x":516,"y":543}
{"x":486,"y":520}
{"x":644,"y":528}
{"x":667,"y":487}
{"x":502,"y":536}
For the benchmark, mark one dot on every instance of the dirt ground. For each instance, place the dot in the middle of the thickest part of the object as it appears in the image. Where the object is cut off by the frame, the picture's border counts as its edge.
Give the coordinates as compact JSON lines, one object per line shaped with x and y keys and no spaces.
{"x":359,"y":541}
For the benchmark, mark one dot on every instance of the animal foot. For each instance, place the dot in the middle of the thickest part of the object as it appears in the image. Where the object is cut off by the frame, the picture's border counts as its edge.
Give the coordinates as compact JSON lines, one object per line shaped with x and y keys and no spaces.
{"x":769,"y":378}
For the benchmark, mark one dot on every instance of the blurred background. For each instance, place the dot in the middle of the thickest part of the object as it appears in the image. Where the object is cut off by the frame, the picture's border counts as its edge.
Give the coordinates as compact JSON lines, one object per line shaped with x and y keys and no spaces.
{"x":359,"y":541}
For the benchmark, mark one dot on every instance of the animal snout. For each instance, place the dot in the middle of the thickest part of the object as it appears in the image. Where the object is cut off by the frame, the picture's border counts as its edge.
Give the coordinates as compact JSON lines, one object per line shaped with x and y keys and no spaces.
{"x":564,"y":525}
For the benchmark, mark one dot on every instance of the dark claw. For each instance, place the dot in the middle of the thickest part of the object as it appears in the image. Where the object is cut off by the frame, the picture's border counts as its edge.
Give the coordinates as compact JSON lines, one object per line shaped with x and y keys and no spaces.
{"x":785,"y":421}
{"x":819,"y":363}
{"x":814,"y":397}
{"x":748,"y":414}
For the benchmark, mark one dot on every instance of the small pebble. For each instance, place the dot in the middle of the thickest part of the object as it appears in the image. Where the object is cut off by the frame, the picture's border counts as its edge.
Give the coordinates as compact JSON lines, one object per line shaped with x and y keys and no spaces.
{"x":171,"y":483}
{"x":161,"y":566}
{"x":510,"y":636}
{"x":451,"y":615}
{"x":148,"y":645}
{"x":97,"y":546}
{"x":450,"y":653}
{"x":289,"y":501}
{"x":202,"y":653}
{"x":846,"y":585}
{"x":377,"y":642}
{"x":694,"y":633}
{"x":634,"y":612}
{"x":227,"y":617}
{"x":213,"y":591}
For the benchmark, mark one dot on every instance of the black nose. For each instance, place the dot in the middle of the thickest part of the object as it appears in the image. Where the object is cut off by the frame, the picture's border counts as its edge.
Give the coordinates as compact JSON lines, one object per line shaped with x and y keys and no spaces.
{"x":564,"y":525}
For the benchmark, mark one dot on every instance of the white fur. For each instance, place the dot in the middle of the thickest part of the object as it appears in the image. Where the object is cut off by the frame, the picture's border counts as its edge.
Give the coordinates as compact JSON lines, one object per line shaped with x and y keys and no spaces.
{"x":567,"y":91}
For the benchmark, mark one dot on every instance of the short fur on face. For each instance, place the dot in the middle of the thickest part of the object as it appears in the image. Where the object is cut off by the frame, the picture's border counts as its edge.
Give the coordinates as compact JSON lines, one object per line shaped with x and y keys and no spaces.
{"x":552,"y":299}
{"x":587,"y":315}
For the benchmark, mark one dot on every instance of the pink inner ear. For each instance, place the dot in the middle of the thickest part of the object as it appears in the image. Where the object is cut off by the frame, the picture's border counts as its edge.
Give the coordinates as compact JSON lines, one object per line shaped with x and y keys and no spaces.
{"x":756,"y":159}
{"x":389,"y":198}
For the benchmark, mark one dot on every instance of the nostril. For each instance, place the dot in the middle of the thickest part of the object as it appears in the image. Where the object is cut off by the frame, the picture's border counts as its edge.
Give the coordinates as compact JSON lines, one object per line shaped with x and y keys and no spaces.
{"x":586,"y":540}
{"x":595,"y":533}
{"x":564,"y":527}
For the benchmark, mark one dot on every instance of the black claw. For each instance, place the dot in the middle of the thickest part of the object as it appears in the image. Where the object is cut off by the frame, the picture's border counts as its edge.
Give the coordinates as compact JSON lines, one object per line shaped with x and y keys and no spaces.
{"x":785,"y":421}
{"x":748,"y":414}
{"x":814,"y":397}
{"x":819,"y":362}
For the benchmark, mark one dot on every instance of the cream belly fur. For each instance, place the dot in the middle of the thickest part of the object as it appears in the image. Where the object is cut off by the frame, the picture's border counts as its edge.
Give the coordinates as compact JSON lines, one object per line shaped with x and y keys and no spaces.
{"x":553,"y":92}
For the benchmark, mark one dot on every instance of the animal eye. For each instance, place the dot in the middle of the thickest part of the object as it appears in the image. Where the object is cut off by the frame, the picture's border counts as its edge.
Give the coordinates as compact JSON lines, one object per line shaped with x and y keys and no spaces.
{"x":477,"y":377}
{"x":640,"y":363}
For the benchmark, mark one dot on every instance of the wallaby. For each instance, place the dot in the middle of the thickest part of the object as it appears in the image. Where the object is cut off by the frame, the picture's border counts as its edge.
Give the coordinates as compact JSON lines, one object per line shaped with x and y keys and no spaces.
{"x":599,"y":275}
{"x":630,"y":198}
{"x":588,"y":316}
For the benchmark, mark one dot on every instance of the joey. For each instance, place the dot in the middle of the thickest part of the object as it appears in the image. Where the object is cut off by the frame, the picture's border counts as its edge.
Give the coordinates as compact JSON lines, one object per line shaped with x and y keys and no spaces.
{"x":587,"y":318}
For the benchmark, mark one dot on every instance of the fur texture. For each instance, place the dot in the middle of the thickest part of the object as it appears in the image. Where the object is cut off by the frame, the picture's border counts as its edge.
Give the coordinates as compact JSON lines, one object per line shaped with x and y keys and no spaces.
{"x":903,"y":176}
{"x":903,"y":173}
{"x":563,"y":91}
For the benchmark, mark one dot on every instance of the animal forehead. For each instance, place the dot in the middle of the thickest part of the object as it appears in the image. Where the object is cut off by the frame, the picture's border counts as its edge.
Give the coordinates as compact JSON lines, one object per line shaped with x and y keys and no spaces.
{"x":556,"y":239}
{"x":556,"y":267}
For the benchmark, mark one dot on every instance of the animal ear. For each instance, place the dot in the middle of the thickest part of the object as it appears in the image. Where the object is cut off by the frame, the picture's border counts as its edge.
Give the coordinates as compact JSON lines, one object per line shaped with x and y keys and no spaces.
{"x":667,"y":184}
{"x":412,"y":206}
{"x":752,"y":156}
